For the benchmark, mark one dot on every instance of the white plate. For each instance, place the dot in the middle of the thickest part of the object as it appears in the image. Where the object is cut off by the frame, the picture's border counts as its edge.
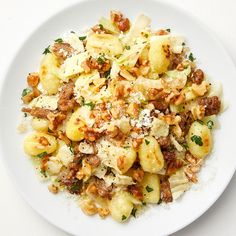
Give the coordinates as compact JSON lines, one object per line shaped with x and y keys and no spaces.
{"x":62,"y":211}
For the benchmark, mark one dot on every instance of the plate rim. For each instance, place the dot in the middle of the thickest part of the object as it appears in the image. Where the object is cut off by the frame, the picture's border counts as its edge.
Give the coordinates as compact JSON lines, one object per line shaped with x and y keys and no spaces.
{"x":185,"y":12}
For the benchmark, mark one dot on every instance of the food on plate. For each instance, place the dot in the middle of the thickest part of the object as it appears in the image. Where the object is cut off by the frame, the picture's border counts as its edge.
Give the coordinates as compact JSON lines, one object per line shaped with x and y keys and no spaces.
{"x":121,"y":116}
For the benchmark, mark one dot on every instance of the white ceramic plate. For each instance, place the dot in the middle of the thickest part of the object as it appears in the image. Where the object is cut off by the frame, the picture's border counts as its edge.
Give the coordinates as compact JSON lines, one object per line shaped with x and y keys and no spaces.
{"x":62,"y":211}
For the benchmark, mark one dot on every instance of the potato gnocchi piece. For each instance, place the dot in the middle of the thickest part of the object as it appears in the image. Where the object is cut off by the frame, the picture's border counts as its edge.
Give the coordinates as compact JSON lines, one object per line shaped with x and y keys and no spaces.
{"x":150,"y":155}
{"x":151,"y":188}
{"x":75,"y":127}
{"x":40,"y":125}
{"x":121,"y":206}
{"x":48,"y":73}
{"x":199,"y":140}
{"x":38,"y":143}
{"x":159,"y":45}
{"x":104,"y":43}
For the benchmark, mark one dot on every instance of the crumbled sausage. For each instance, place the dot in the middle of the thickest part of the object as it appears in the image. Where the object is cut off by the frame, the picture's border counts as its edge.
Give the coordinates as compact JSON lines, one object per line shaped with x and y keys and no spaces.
{"x":176,"y":59}
{"x":93,"y":160}
{"x":66,"y":100}
{"x":198,"y":76}
{"x":164,"y":142}
{"x":55,"y":119}
{"x":37,"y":112}
{"x":186,"y":121}
{"x":169,"y":155}
{"x":166,"y":195}
{"x":62,"y":50}
{"x":212,"y":105}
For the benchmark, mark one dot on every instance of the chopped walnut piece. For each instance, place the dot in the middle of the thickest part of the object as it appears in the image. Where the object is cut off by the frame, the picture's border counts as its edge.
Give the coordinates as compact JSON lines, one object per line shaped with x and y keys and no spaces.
{"x":136,"y":191}
{"x":53,"y":189}
{"x":137,"y":142}
{"x":103,"y":212}
{"x":173,"y":166}
{"x":133,"y":110}
{"x":66,"y":100}
{"x":198,"y":76}
{"x":55,"y":119}
{"x":33,"y":79}
{"x":138,"y":175}
{"x":43,"y":141}
{"x":103,"y":190}
{"x":122,"y":23}
{"x":166,"y":195}
{"x":164,"y":142}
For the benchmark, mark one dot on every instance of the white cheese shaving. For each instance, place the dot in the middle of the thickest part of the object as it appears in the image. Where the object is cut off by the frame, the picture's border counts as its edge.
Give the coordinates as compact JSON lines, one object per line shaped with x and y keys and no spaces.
{"x":44,"y":101}
{"x":74,"y":41}
{"x":86,"y":148}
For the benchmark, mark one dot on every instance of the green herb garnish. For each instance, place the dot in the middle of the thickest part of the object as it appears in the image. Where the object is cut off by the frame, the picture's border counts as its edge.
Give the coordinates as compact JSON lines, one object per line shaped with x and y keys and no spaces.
{"x":71,"y":150}
{"x":191,"y":57}
{"x":90,"y":104}
{"x":101,"y":59}
{"x":197,"y":139}
{"x":133,"y":212}
{"x":210,"y":124}
{"x":43,"y":172}
{"x":127,"y":47}
{"x":149,"y":189}
{"x":101,"y":26}
{"x":147,"y":142}
{"x":126,"y":147}
{"x":185,"y":145}
{"x":25,"y":115}
{"x":75,"y":187}
{"x":73,"y":32}
{"x":107,"y":74}
{"x":168,"y":30}
{"x":200,"y":122}
{"x":124,"y":217}
{"x":82,"y":37}
{"x":59,"y":40}
{"x":26,"y":91}
{"x":183,"y":44}
{"x":47,"y":50}
{"x":41,"y":155}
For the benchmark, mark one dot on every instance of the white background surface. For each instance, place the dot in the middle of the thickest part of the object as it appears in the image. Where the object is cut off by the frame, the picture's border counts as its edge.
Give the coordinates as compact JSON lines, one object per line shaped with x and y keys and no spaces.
{"x":18,"y":18}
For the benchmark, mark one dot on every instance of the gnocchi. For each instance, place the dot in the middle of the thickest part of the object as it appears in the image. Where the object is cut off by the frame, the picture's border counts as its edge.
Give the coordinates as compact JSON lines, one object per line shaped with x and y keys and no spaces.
{"x":199,"y":140}
{"x":38,"y":143}
{"x":150,"y":155}
{"x":151,"y":188}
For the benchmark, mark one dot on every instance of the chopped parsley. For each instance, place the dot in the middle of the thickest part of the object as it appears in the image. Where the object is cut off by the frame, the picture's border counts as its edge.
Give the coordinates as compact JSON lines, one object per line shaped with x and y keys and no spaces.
{"x":101,"y":26}
{"x":90,"y":104}
{"x":25,"y":115}
{"x":133,"y":212}
{"x":144,"y":203}
{"x":183,"y":44}
{"x":47,"y":50}
{"x":26,"y":91}
{"x":75,"y":187}
{"x":200,"y":122}
{"x":191,"y":57}
{"x":168,"y":30}
{"x":149,"y":189}
{"x":101,"y":59}
{"x":43,"y":172}
{"x":59,"y":40}
{"x":82,"y":37}
{"x":126,"y":147}
{"x":185,"y":145}
{"x":107,"y":74}
{"x":127,"y":47}
{"x":124,"y":217}
{"x":210,"y":124}
{"x":71,"y":149}
{"x":147,"y":142}
{"x":41,"y":155}
{"x":197,"y":139}
{"x":73,"y":32}
{"x":146,"y":35}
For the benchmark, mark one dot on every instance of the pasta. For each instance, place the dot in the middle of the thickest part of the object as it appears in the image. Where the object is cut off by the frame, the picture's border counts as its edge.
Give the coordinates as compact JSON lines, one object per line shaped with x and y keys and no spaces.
{"x":121,"y":116}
